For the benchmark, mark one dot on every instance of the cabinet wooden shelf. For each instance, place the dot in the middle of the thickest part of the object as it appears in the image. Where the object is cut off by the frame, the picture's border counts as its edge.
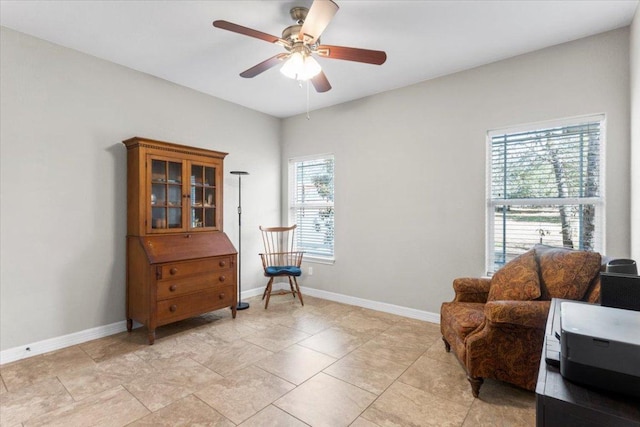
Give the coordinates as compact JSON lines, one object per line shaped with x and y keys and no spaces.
{"x":179,"y":261}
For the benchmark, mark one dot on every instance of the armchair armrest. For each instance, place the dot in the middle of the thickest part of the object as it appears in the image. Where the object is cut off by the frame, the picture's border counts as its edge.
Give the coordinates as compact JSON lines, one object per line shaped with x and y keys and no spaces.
{"x":471,"y":289}
{"x":529,"y":314}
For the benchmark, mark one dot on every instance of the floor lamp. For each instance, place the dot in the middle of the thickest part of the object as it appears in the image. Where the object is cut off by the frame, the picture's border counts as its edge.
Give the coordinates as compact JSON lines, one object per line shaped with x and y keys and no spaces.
{"x":241,"y":305}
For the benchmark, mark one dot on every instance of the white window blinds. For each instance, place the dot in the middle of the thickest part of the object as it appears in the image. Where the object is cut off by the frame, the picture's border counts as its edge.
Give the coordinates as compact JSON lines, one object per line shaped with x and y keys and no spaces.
{"x":312,"y":205}
{"x":544,"y":187}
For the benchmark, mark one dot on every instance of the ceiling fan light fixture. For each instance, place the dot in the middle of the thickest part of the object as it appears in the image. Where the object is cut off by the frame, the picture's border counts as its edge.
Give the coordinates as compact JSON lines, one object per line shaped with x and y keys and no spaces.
{"x":311,"y":68}
{"x":293,"y":66}
{"x":300,"y":67}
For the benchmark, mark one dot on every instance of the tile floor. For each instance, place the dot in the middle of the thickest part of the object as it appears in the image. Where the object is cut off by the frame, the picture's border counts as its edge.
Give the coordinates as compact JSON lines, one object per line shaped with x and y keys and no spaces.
{"x":324,"y":364}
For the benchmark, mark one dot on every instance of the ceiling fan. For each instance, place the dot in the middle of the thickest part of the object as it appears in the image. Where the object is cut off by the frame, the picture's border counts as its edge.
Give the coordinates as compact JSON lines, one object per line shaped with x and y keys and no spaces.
{"x":301,"y":42}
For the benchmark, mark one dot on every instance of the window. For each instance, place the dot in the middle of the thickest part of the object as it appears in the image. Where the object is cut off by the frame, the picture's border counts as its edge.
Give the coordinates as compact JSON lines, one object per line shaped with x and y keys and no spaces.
{"x":311,"y":205}
{"x":544,"y":186}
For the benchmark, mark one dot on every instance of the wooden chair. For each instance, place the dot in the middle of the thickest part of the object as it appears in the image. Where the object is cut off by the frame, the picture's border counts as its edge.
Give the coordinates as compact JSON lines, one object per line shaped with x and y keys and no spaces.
{"x":280,"y":259}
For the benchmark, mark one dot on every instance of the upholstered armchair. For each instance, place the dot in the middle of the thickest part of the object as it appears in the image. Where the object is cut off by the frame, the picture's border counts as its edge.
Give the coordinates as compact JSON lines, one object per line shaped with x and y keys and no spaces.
{"x":496,"y":326}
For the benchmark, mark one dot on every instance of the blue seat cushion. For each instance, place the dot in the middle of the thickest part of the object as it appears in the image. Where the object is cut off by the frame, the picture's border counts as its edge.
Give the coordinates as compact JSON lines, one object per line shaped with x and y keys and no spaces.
{"x":285,"y":270}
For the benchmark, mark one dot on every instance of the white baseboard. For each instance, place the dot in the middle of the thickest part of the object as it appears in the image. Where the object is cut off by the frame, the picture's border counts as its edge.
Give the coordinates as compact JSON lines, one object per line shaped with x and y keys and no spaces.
{"x":51,"y":344}
{"x":257,"y":291}
{"x":373,"y":305}
{"x":412,"y":313}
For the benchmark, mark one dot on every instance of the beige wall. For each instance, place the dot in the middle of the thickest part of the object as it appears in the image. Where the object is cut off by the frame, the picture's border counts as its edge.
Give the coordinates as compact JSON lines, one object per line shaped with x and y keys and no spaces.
{"x":410,"y":165}
{"x":635,"y":136}
{"x":63,"y":183}
{"x":410,"y":172}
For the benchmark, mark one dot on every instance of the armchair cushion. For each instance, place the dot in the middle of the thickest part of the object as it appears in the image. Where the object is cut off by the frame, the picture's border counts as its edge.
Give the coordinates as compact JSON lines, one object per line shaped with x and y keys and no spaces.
{"x":518,"y":280}
{"x":566,"y":273}
{"x":530,"y":314}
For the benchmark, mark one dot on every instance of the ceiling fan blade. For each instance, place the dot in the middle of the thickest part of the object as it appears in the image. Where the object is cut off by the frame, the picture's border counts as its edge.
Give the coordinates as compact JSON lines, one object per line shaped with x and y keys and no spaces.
{"x":376,"y":57}
{"x":264,"y":65}
{"x":319,"y":16}
{"x":320,"y":82}
{"x":230,"y":26}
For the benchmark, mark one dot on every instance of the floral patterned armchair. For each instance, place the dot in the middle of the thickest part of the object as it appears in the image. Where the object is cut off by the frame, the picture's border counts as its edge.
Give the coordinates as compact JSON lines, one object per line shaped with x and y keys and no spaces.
{"x":496,"y":326}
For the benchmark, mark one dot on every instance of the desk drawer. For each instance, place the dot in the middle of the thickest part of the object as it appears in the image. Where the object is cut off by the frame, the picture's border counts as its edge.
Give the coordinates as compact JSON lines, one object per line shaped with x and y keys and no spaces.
{"x":177,"y":270}
{"x":191,"y":284}
{"x":173,"y":309}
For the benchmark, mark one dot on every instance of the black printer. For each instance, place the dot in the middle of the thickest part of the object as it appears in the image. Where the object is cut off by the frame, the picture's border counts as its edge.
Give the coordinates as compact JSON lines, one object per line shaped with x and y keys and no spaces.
{"x":600,"y":347}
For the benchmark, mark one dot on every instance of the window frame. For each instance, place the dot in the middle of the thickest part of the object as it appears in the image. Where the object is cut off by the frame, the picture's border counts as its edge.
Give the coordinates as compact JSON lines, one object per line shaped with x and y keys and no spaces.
{"x":293,"y":205}
{"x":599,"y":201}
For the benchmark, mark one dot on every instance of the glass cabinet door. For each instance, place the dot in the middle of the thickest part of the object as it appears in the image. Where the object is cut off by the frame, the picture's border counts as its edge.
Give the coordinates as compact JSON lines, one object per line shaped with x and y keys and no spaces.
{"x":203,"y":196}
{"x":166,"y":194}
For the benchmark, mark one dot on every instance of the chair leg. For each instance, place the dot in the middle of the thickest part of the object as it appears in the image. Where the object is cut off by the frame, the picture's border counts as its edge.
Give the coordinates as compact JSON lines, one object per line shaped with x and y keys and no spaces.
{"x":293,"y":291}
{"x":447,"y":346}
{"x":476,"y":383}
{"x":298,"y":290}
{"x":265,"y":289}
{"x":267,"y":292}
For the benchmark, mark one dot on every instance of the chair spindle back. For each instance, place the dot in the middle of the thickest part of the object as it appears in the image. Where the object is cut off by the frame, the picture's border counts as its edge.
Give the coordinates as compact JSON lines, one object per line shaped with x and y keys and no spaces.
{"x":279,"y":245}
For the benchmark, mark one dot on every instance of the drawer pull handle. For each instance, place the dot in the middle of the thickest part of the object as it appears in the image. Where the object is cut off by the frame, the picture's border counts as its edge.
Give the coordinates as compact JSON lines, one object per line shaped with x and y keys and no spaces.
{"x":173,"y":288}
{"x":221,"y":296}
{"x":221,"y":278}
{"x":173,"y":271}
{"x":222,"y":263}
{"x":173,"y":308}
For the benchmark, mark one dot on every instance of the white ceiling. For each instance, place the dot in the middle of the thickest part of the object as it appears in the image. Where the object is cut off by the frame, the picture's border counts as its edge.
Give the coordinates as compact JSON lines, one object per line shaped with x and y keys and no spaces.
{"x":175,"y":40}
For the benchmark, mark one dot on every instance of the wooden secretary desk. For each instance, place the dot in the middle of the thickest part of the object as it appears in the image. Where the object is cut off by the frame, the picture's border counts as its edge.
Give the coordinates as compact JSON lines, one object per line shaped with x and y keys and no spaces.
{"x":180,"y":263}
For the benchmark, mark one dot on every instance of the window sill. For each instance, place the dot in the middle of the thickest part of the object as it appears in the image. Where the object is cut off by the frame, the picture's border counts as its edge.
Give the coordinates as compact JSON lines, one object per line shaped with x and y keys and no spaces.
{"x":318,"y":260}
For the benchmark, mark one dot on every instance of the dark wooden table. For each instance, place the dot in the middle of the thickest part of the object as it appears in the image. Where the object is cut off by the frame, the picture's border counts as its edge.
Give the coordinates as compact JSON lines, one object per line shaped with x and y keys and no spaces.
{"x":561,"y":403}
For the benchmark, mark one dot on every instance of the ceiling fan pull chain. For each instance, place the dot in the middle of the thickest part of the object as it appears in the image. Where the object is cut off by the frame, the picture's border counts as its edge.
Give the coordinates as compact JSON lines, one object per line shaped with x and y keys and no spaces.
{"x":308,"y":116}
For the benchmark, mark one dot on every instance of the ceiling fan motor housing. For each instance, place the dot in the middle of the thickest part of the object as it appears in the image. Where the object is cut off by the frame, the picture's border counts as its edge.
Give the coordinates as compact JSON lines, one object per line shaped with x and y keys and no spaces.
{"x":291,"y":33}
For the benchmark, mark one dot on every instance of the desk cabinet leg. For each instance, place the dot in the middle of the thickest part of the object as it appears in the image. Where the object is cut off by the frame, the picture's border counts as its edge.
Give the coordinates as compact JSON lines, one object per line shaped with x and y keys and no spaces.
{"x":129,"y":325}
{"x":152,"y":336}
